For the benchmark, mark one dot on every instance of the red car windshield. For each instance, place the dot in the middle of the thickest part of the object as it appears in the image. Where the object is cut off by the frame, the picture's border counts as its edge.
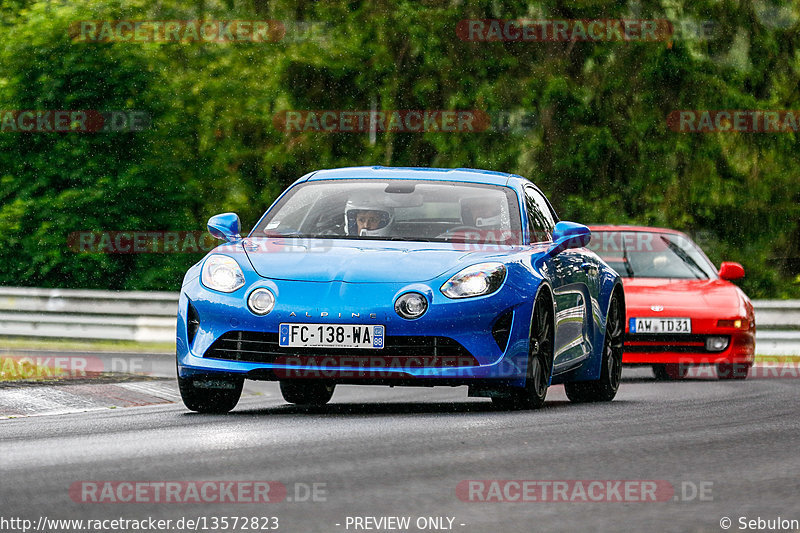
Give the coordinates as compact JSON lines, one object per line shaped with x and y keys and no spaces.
{"x":641,"y":254}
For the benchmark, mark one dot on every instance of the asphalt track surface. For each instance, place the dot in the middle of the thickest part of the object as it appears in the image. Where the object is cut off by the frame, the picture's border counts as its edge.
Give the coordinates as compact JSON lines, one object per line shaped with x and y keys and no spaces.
{"x":402,"y":452}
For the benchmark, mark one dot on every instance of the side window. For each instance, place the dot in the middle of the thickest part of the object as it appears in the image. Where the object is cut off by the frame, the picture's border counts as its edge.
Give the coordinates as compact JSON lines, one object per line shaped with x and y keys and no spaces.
{"x":540,"y":220}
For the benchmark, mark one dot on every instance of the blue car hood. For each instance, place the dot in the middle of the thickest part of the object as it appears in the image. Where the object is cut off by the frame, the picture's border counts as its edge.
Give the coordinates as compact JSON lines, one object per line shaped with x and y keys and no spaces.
{"x":357,"y":261}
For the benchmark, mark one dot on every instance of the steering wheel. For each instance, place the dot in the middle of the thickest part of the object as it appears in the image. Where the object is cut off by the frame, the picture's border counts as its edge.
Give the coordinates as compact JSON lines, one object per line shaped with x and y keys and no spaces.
{"x":451,"y":231}
{"x":333,"y":231}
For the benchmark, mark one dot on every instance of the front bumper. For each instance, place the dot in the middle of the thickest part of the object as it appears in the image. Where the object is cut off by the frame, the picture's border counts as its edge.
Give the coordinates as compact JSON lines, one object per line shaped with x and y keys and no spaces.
{"x":469,"y":323}
{"x":691,"y":349}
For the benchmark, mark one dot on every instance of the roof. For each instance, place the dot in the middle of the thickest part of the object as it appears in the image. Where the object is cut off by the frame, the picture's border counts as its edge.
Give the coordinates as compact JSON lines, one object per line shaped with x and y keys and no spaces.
{"x":613,"y":227}
{"x":468,"y":175}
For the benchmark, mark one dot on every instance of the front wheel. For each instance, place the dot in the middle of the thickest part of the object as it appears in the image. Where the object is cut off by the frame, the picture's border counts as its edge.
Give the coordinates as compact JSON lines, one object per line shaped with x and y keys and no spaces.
{"x":307,"y":392}
{"x":540,"y":358}
{"x":733,"y":370}
{"x":605,"y":388}
{"x":210,"y":395}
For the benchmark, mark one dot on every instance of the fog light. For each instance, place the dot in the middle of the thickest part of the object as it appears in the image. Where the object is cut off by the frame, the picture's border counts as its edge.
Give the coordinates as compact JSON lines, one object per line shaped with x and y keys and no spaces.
{"x":261,"y":301}
{"x":716,"y":344}
{"x":411,"y":305}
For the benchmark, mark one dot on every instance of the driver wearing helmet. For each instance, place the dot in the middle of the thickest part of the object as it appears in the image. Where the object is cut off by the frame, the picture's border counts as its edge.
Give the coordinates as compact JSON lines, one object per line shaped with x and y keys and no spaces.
{"x":367,"y":219}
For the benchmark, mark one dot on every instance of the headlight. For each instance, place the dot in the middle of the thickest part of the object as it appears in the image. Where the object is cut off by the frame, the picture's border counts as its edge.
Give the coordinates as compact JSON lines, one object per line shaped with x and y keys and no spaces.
{"x":411,"y":305}
{"x":222,"y":273}
{"x":477,"y":280}
{"x":261,"y":301}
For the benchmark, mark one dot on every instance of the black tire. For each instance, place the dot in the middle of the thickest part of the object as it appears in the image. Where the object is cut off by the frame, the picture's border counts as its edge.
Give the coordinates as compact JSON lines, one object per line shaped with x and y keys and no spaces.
{"x":733,"y":370}
{"x":210,"y":400}
{"x":307,"y":392}
{"x":670,"y":371}
{"x":540,"y":361}
{"x":605,"y":388}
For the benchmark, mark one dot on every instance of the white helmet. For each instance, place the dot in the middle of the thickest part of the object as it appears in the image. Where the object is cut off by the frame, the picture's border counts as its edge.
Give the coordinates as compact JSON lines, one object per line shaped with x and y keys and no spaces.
{"x":354,"y":207}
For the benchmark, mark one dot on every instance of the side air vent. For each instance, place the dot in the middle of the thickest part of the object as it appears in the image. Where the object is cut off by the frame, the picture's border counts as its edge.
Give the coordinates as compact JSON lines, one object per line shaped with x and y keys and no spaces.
{"x":501,"y":330}
{"x":192,"y":323}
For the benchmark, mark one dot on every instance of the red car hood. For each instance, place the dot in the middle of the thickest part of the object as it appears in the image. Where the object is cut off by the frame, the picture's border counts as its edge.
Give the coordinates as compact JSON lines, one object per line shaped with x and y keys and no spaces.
{"x":674,"y":295}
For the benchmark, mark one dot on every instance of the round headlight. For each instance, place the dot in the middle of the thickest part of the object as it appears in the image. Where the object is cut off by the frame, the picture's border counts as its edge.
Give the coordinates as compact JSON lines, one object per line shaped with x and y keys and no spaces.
{"x":261,"y":301}
{"x":411,"y":305}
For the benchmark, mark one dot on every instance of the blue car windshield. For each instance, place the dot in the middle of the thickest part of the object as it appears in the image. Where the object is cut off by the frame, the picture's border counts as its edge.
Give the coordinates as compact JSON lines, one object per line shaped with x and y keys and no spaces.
{"x":640,"y":254}
{"x":407,"y":210}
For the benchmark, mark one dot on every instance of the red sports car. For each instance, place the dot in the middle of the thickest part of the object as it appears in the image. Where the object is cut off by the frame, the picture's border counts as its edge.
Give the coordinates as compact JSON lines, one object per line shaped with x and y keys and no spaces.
{"x":681,"y":311}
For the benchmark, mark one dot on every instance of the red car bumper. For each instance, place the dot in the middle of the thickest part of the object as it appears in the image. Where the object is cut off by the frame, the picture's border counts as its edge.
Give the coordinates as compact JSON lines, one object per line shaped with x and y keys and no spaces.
{"x":691,"y":349}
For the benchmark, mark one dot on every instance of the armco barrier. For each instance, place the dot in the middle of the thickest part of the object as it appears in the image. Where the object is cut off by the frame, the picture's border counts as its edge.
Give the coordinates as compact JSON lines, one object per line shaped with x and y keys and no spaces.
{"x":150,"y":316}
{"x":777,"y":327}
{"x":83,"y":314}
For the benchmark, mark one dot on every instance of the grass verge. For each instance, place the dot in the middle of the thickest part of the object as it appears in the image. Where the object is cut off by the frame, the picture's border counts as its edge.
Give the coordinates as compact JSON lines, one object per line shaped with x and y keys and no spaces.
{"x":21,"y":369}
{"x":20,"y":343}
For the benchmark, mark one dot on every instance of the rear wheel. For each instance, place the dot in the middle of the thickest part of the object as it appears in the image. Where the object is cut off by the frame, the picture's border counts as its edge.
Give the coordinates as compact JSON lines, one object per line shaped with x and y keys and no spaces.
{"x":307,"y":392}
{"x":605,"y":388}
{"x":210,"y":395}
{"x":670,"y":371}
{"x":540,"y":359}
{"x":733,"y":370}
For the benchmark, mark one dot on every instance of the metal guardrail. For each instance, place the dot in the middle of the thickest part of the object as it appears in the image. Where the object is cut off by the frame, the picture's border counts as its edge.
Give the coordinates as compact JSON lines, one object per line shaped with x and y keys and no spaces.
{"x":83,"y":314}
{"x":777,"y":327}
{"x":150,"y":317}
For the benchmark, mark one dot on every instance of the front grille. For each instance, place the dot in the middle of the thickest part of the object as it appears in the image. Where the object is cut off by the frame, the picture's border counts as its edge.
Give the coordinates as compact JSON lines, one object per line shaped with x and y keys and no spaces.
{"x":402,"y":351}
{"x":657,"y":343}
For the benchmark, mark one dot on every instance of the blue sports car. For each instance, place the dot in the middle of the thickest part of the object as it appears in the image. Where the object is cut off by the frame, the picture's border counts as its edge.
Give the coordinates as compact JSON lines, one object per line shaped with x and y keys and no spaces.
{"x":402,"y":276}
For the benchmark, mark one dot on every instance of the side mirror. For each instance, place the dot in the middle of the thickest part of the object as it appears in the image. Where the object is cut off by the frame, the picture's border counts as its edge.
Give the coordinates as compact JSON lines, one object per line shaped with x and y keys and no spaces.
{"x":569,"y":235}
{"x":731,"y":271}
{"x":224,"y":226}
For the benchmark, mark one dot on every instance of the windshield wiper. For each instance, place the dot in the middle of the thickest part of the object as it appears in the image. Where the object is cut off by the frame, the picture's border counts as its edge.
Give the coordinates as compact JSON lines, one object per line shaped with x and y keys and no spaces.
{"x":628,"y":267}
{"x":289,"y":235}
{"x":407,"y":239}
{"x":677,"y":250}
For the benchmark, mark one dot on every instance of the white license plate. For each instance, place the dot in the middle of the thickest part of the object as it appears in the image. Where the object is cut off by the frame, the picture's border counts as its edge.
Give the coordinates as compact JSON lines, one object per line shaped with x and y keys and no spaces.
{"x":331,"y":336}
{"x":660,"y":325}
